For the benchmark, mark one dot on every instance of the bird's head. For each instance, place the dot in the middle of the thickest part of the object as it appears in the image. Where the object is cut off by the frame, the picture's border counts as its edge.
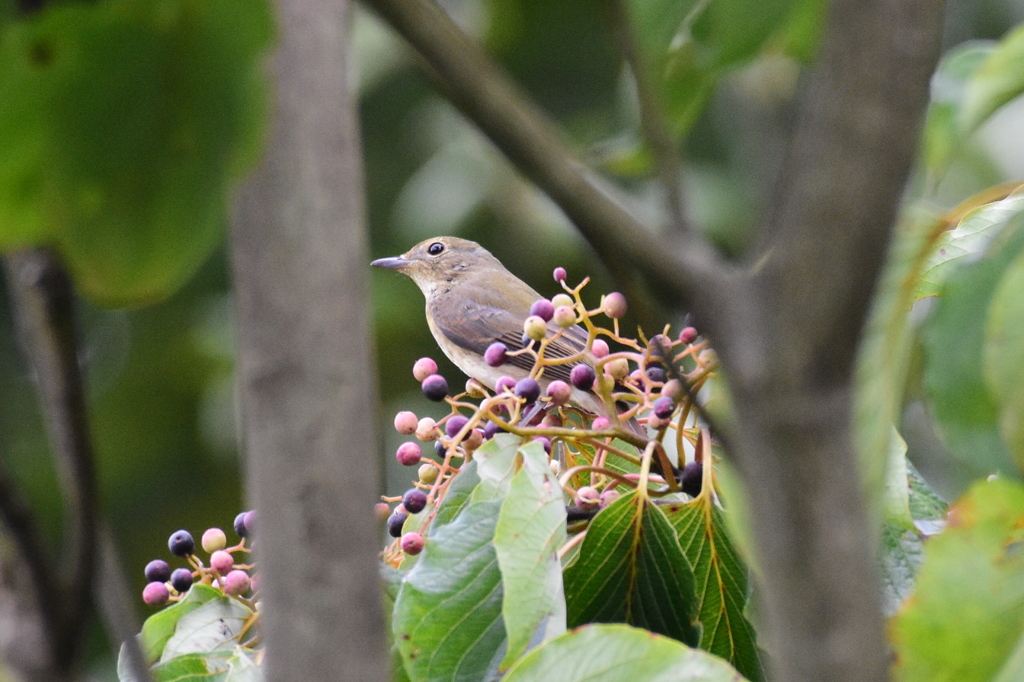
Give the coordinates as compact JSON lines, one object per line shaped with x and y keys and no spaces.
{"x":441,"y":260}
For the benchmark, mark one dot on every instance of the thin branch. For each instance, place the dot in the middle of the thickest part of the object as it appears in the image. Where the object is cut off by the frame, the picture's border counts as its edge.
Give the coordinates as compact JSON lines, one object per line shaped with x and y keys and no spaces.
{"x":44,"y":314}
{"x":114,"y":600}
{"x":652,"y":123}
{"x":681,"y":266}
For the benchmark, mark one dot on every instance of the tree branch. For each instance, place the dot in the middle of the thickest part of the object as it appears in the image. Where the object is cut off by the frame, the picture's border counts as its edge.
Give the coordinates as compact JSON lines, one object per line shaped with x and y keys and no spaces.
{"x":681,"y":266}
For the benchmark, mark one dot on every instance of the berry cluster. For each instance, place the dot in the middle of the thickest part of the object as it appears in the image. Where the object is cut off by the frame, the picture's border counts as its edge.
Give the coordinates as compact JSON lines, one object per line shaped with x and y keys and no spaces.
{"x":644,"y":390}
{"x":235,"y":579}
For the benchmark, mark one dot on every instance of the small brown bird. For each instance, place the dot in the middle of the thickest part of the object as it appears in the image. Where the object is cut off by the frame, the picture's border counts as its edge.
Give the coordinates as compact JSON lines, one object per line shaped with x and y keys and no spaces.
{"x":473,"y":301}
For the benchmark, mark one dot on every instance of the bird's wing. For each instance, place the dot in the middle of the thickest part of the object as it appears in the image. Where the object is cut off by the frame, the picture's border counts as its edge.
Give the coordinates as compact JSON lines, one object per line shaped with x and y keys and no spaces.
{"x":473,"y":326}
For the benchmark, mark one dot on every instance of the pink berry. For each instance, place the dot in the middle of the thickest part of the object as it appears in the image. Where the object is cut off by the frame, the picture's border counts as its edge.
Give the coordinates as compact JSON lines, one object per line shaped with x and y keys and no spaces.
{"x":423,"y":368}
{"x":155,"y":594}
{"x":255,"y":582}
{"x":688,"y":335}
{"x":614,"y":305}
{"x":505,"y":384}
{"x":559,"y":392}
{"x":221,"y":561}
{"x":609,"y":496}
{"x":600,"y":348}
{"x":587,"y":498}
{"x":236,"y":582}
{"x":565,"y":316}
{"x":560,"y":274}
{"x":382,"y":510}
{"x":408,"y":454}
{"x":545,"y":442}
{"x":412,"y":543}
{"x":405,"y":423}
{"x":601,"y":423}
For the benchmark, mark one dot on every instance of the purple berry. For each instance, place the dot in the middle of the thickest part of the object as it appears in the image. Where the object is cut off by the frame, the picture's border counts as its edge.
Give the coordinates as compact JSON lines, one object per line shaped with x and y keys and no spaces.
{"x":250,"y":522}
{"x":559,"y":392}
{"x":181,"y":543}
{"x":414,"y":500}
{"x":181,"y":580}
{"x":435,"y":387}
{"x":454,"y":425}
{"x":504,"y":384}
{"x":543,"y":309}
{"x":423,"y":368}
{"x":692,"y":478}
{"x":582,"y":377}
{"x":158,"y":571}
{"x":412,"y":543}
{"x":495,"y":355}
{"x":657,"y":374}
{"x":688,"y":335}
{"x":408,"y":454}
{"x":664,"y":407}
{"x":545,"y":441}
{"x":528,"y":389}
{"x":560,"y":274}
{"x":240,"y":529}
{"x":395,"y":523}
{"x":155,"y":594}
{"x":236,"y":582}
{"x":490,"y":430}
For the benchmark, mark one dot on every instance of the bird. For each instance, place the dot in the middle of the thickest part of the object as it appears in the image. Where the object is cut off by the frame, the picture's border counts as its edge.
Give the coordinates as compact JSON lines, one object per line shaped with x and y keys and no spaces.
{"x":472,"y":301}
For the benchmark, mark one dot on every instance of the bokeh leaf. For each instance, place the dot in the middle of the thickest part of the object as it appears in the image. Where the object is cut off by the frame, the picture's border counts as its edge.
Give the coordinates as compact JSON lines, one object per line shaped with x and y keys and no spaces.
{"x":967,"y":613}
{"x":721,"y":584}
{"x":612,"y":653}
{"x":447,"y":619}
{"x":631,"y":569}
{"x":997,"y":81}
{"x":122,"y":123}
{"x":1004,"y":357}
{"x":531,"y":527}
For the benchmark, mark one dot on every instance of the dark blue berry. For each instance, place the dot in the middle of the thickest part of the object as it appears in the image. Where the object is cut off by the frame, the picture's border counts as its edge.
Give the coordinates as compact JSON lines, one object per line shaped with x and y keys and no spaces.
{"x":582,"y":377}
{"x":528,"y":389}
{"x":240,"y":529}
{"x":693,"y":475}
{"x":490,"y":430}
{"x":414,"y":500}
{"x":440,"y":449}
{"x":454,"y":425}
{"x":181,"y":579}
{"x":395,"y":523}
{"x":664,"y":407}
{"x":435,"y":387}
{"x":181,"y":543}
{"x":656,"y":374}
{"x":158,"y":571}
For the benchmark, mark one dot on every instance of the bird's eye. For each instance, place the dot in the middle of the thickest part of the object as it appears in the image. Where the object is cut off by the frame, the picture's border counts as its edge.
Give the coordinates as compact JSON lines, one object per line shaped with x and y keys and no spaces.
{"x":435,"y":249}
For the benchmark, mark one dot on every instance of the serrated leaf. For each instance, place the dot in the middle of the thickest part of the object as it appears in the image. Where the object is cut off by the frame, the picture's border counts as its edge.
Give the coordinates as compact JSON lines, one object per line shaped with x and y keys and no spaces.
{"x":900,"y":553}
{"x":1004,"y":356}
{"x":996,"y":82}
{"x":159,"y":627}
{"x":632,"y":570}
{"x":968,"y":241}
{"x":214,"y":626}
{"x":530,"y":529}
{"x":953,"y":339}
{"x":122,"y":125}
{"x":459,"y":491}
{"x":967,"y":612}
{"x":447,"y":620}
{"x":925,"y":503}
{"x":721,"y":585}
{"x":612,"y":653}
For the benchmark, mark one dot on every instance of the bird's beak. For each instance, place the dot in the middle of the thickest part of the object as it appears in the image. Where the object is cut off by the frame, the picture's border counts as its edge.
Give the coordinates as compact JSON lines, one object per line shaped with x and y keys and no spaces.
{"x":393,"y":263}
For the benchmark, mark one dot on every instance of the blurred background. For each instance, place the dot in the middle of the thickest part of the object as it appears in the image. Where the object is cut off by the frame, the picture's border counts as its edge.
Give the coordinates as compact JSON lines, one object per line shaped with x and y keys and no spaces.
{"x":160,"y":378}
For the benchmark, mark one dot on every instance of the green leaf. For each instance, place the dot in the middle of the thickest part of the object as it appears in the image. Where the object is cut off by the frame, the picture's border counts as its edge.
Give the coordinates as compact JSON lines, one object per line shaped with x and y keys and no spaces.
{"x":1004,"y":356}
{"x":159,"y":627}
{"x":459,"y":491}
{"x":207,"y":667}
{"x":735,"y":30}
{"x":900,"y":553}
{"x":632,"y":570}
{"x":122,"y":125}
{"x":954,"y":338}
{"x":943,"y":136}
{"x":447,"y":619}
{"x":999,"y":80}
{"x":531,"y":527}
{"x":925,"y":503}
{"x":214,"y":626}
{"x":612,"y":653}
{"x":721,"y":584}
{"x":970,"y":239}
{"x":966,"y":615}
{"x":495,"y":465}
